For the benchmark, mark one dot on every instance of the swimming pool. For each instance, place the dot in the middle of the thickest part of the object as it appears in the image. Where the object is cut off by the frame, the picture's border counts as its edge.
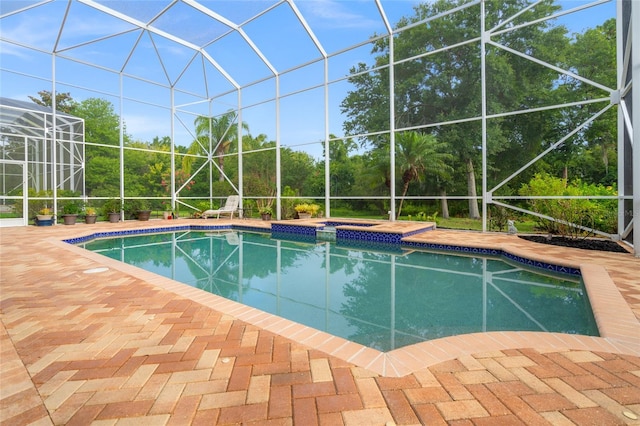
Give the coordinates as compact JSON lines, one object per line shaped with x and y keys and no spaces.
{"x":383,"y":297}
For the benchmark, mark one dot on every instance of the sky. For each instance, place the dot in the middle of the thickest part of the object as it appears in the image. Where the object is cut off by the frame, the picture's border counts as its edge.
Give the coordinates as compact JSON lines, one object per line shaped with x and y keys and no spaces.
{"x":91,"y":36}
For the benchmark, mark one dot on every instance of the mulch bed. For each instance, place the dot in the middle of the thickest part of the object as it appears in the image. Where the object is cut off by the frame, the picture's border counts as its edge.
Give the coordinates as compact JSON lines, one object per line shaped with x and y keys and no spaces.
{"x":582,"y":243}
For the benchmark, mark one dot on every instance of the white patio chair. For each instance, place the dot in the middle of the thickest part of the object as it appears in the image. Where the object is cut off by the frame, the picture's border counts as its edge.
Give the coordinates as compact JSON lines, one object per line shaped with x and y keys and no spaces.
{"x":230,"y":206}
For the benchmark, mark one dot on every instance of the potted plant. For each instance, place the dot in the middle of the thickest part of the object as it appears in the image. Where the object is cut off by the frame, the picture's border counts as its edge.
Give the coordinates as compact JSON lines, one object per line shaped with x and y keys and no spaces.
{"x":264,"y":208}
{"x":44,"y":213}
{"x":265,"y":213}
{"x":70,"y":212}
{"x":44,"y":217}
{"x":90,"y":215}
{"x":306,"y":210}
{"x":111,"y":209}
{"x":143,"y":212}
{"x":136,"y":209}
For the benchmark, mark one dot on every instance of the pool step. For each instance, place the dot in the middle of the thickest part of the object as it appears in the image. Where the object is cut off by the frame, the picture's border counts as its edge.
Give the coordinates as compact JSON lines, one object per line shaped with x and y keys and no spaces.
{"x":358,"y":230}
{"x":328,"y":233}
{"x":392,"y":233}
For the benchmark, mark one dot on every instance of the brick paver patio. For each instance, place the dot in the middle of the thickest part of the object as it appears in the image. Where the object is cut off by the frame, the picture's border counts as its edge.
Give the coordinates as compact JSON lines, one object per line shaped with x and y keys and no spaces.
{"x":122,"y":347}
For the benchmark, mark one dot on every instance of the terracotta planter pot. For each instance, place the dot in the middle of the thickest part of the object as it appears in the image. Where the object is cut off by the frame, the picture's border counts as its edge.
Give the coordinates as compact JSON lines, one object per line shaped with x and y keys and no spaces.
{"x":69,"y":219}
{"x":144,"y":215}
{"x":114,"y":217}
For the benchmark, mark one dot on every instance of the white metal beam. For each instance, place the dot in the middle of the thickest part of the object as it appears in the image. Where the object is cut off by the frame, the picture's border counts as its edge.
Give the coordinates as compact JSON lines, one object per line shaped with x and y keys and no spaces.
{"x":635,"y":131}
{"x":161,"y":33}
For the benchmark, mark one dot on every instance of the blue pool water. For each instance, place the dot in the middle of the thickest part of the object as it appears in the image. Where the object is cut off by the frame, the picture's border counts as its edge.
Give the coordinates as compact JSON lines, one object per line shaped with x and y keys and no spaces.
{"x":381,"y":298}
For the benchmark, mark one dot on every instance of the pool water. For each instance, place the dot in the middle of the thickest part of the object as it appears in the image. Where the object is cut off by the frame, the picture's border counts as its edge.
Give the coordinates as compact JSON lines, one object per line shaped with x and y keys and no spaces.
{"x":380,"y":298}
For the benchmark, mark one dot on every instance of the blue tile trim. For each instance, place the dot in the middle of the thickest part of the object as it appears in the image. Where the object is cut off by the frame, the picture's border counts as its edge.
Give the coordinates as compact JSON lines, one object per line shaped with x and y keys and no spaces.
{"x":293,"y":229}
{"x":542,"y":265}
{"x":336,"y":223}
{"x":454,"y":248}
{"x":348,"y":237}
{"x":378,"y":237}
{"x":483,"y":251}
{"x":144,"y":231}
{"x":251,"y":228}
{"x":205,"y":227}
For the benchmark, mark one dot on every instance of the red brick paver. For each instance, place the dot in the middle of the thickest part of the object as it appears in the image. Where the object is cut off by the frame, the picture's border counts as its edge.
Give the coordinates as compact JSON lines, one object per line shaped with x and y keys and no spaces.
{"x":78,"y":348}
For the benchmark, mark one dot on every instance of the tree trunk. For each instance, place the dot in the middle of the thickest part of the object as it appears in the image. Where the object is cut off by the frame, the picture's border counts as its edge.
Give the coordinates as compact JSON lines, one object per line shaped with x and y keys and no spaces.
{"x":474,"y":213}
{"x":405,"y":188}
{"x":445,"y":204}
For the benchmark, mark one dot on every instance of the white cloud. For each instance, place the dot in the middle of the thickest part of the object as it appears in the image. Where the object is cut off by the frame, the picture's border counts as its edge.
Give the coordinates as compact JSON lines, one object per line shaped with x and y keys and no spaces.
{"x":332,"y":13}
{"x":40,"y":27}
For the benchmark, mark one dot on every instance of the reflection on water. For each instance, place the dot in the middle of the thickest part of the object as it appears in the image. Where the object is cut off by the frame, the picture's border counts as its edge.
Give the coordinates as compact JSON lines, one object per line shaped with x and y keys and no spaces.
{"x":379,"y":298}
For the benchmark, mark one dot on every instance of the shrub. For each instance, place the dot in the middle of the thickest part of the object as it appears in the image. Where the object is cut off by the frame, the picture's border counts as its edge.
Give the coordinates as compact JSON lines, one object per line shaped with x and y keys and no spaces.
{"x":310,"y":208}
{"x":287,"y":204}
{"x":423,"y":217}
{"x":571,"y":214}
{"x":498,"y":218}
{"x":112,"y":205}
{"x":71,"y":207}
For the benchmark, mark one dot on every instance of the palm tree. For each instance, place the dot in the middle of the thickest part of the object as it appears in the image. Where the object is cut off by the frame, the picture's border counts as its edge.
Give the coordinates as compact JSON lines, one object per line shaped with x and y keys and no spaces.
{"x":418,"y":154}
{"x":217,"y":130}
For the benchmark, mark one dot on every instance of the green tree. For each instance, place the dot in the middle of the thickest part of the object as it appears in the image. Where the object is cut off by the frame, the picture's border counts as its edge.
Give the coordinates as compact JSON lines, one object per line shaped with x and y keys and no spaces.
{"x":64,"y":101}
{"x":102,"y":127}
{"x":445,"y":86}
{"x":297,"y":167}
{"x":418,"y":154}
{"x":213,"y":134}
{"x":341,"y":167}
{"x":593,"y":56}
{"x":101,"y":123}
{"x":259,"y":168}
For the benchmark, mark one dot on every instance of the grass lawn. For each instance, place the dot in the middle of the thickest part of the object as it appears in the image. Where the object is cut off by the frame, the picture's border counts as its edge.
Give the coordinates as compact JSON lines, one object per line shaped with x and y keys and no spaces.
{"x":527,"y":227}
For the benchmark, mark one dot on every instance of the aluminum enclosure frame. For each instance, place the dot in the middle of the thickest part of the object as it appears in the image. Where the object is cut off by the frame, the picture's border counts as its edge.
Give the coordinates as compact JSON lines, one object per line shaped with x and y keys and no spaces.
{"x":622,"y":97}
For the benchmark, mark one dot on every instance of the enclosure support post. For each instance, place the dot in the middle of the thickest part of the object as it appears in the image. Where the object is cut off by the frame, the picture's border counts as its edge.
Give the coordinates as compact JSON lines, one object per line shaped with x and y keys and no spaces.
{"x":392,"y":127}
{"x":54,"y":159}
{"x":173,"y":152}
{"x":278,"y":162}
{"x":483,"y":84}
{"x":240,"y":154}
{"x":635,"y":122}
{"x":327,"y":159}
{"x":121,"y":137}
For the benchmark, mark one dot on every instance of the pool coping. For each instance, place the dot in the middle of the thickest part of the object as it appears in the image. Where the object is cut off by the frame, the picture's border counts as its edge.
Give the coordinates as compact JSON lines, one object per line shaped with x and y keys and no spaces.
{"x":616,"y":322}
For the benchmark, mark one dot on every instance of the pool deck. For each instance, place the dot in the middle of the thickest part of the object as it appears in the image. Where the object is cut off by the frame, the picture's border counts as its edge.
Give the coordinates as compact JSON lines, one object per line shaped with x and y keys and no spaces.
{"x":81,"y":345}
